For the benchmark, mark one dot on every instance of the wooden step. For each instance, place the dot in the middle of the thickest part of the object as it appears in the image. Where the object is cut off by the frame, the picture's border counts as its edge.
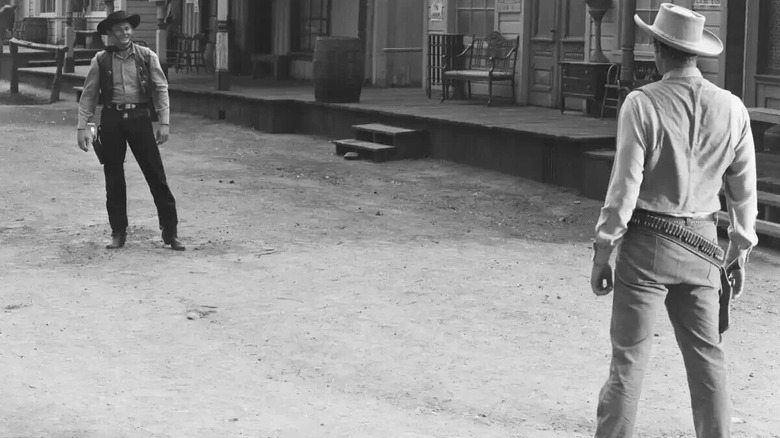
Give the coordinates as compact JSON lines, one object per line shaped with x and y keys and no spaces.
{"x":411,"y":143}
{"x":379,"y":128}
{"x":365,"y":149}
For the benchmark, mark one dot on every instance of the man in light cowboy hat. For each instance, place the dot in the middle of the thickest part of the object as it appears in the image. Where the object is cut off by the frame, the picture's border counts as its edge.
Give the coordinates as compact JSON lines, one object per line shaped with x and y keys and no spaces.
{"x":129,"y":83}
{"x":679,"y":140}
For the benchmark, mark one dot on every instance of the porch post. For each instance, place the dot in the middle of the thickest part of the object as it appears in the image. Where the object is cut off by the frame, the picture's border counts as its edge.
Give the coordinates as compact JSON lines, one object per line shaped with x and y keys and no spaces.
{"x":109,"y":6}
{"x":627,"y":58}
{"x":162,"y":36}
{"x":222,"y":72}
{"x":70,"y":37}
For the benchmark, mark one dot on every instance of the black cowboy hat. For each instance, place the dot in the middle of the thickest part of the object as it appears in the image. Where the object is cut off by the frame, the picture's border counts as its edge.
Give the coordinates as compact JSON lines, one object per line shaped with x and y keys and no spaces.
{"x":104,"y":27}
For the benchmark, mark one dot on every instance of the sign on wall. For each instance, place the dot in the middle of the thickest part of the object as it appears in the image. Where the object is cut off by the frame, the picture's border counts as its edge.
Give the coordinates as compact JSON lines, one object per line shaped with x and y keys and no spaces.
{"x":706,"y":3}
{"x":436,"y":10}
{"x":509,"y":6}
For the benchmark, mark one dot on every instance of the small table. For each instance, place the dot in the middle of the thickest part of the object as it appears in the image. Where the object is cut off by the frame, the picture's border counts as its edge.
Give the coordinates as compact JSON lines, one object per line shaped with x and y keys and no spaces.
{"x":584,"y":80}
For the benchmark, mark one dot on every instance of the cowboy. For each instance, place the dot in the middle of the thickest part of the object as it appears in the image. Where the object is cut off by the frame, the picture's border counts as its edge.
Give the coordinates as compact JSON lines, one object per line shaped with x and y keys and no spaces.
{"x":678,"y":141}
{"x":129,"y":83}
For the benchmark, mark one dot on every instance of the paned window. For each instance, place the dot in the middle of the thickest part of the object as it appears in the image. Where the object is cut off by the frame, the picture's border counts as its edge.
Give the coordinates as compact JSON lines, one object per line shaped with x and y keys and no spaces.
{"x":312,"y":19}
{"x":769,"y":45}
{"x":97,"y":6}
{"x":476,"y":17}
{"x":48,"y":6}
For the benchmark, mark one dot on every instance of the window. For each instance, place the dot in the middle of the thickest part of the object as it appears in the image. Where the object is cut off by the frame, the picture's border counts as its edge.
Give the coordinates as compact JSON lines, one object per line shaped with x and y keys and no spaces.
{"x":769,"y":44}
{"x":48,"y":6}
{"x":97,"y":6}
{"x":476,"y":17}
{"x":311,"y":18}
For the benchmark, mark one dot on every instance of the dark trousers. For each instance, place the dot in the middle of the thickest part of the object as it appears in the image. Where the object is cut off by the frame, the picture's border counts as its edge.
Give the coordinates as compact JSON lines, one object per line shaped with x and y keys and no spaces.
{"x":134,"y":128}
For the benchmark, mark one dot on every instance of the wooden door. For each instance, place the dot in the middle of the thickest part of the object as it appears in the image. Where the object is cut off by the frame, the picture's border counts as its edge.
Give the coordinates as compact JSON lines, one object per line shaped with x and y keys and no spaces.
{"x":557,"y":34}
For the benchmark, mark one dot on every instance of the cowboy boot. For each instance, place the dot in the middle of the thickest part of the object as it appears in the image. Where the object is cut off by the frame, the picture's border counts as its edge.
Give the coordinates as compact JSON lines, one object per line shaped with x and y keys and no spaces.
{"x":117,"y":240}
{"x":170,"y":238}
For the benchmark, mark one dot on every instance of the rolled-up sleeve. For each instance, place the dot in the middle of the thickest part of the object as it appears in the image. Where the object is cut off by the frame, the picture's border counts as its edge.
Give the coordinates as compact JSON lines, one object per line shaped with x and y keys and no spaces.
{"x":89,"y":97}
{"x":740,"y":186}
{"x":627,"y":173}
{"x":160,"y":90}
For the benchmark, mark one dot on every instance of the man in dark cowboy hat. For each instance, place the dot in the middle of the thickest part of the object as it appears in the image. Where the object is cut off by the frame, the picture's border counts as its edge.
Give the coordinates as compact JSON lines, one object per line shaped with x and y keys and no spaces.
{"x":679,"y":140}
{"x":129,"y":83}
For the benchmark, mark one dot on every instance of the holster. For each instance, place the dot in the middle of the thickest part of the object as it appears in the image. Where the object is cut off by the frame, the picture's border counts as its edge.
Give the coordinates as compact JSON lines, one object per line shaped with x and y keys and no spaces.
{"x":97,"y":145}
{"x":724,"y":315}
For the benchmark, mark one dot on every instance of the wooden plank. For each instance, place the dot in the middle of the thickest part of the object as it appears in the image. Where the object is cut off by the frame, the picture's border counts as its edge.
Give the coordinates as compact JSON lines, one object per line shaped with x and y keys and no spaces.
{"x":766,"y":115}
{"x":383,"y":129}
{"x":366,"y":145}
{"x":37,"y":46}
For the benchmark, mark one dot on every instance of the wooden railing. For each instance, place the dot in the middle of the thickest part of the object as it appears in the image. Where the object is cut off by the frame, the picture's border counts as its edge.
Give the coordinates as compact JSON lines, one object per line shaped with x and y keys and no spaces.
{"x":59,"y":57}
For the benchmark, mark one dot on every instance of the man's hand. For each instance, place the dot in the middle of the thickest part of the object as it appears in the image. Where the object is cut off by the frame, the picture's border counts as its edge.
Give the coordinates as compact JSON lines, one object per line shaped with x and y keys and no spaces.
{"x":601,"y":280}
{"x":84,"y":139}
{"x":163,"y":132}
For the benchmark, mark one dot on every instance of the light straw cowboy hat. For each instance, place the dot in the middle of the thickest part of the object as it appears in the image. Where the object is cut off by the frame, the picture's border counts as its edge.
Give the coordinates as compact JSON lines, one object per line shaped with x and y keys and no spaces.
{"x":682,"y":29}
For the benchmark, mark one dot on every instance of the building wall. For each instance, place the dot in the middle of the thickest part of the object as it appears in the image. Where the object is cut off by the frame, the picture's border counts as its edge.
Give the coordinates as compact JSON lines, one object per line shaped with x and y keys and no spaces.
{"x":344,"y":22}
{"x":147,"y":30}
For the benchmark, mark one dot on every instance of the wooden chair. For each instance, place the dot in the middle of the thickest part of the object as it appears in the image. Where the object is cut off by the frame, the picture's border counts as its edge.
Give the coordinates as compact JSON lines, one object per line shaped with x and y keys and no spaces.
{"x":612,"y":90}
{"x":189,"y":53}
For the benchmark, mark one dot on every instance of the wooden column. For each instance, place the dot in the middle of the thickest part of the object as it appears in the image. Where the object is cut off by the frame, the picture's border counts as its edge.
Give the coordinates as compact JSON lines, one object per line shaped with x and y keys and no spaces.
{"x":627,"y":57}
{"x":14,"y":67}
{"x":222,"y":70}
{"x":162,"y":36}
{"x":70,"y":37}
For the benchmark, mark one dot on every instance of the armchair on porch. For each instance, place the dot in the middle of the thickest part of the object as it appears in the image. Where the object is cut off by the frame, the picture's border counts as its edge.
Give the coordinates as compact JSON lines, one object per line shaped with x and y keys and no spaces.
{"x":189,"y":52}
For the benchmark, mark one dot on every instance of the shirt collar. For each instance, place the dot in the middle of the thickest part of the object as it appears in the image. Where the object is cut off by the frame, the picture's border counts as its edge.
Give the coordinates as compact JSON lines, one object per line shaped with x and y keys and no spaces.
{"x":684,"y":72}
{"x":130,"y":52}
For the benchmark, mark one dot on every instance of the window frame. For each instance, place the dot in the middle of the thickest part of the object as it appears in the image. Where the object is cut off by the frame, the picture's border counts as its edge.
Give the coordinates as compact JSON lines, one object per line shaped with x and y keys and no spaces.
{"x":297,"y":20}
{"x":458,"y":9}
{"x":764,"y":66}
{"x":41,"y":8}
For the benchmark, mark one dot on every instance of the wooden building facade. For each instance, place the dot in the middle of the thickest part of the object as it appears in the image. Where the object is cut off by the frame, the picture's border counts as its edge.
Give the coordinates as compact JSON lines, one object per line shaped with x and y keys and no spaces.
{"x":395,"y":36}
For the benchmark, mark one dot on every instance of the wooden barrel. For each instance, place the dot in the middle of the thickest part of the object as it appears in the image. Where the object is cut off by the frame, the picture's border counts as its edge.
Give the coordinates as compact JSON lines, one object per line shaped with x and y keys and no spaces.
{"x":338,"y":69}
{"x":36,"y":30}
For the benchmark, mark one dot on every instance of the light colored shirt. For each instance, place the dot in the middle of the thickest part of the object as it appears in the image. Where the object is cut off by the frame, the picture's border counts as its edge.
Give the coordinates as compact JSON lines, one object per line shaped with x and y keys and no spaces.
{"x":126,"y":87}
{"x":679,"y":142}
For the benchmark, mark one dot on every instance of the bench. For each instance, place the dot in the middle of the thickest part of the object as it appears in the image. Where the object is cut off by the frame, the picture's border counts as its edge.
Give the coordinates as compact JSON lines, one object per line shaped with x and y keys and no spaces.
{"x":761,"y":120}
{"x":491,"y":58}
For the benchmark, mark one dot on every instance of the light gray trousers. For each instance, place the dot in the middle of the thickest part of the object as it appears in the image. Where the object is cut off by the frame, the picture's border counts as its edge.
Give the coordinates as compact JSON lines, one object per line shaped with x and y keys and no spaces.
{"x":651,"y":271}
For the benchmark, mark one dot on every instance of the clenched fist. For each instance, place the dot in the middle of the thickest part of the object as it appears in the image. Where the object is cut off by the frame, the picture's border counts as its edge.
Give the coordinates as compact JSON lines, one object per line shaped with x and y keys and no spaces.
{"x":601,"y":279}
{"x":84,"y":139}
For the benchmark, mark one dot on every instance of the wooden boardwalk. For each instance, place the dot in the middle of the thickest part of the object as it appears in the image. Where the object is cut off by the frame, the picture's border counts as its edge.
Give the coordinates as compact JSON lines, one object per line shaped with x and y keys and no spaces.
{"x":412,"y":102}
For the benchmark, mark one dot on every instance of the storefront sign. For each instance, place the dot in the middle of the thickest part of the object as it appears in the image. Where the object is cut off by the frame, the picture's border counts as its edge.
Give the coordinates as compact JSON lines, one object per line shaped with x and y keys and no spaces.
{"x":436,"y":10}
{"x":706,"y":3}
{"x":509,"y":6}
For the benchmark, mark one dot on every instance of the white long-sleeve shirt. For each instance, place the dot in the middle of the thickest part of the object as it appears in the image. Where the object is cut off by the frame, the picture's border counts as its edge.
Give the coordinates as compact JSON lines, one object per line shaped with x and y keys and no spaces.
{"x":679,"y":141}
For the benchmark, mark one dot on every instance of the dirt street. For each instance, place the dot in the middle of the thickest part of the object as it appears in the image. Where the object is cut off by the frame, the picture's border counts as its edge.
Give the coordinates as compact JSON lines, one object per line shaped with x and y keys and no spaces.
{"x":319,"y":297}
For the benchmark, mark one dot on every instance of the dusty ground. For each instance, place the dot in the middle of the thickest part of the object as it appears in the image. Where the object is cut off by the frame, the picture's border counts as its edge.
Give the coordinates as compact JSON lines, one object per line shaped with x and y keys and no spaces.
{"x":330,"y":299}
